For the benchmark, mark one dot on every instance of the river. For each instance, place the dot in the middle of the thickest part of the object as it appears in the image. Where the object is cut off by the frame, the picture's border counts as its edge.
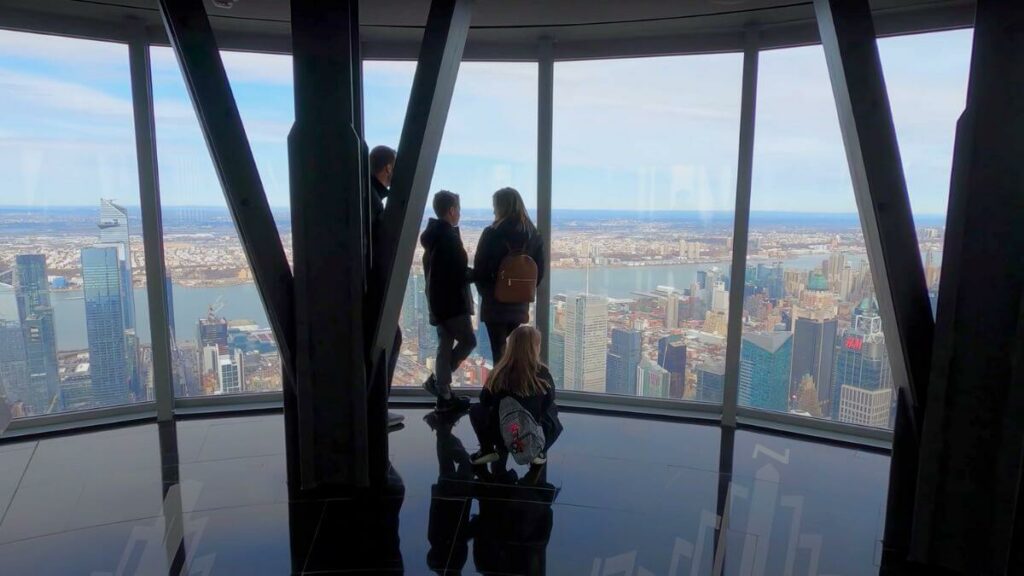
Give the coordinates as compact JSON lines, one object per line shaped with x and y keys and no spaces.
{"x":242,"y":300}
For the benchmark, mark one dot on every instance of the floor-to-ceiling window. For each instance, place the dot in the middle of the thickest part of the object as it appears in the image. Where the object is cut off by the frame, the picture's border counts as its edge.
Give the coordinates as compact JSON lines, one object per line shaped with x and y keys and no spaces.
{"x":927,"y":96}
{"x":74,"y":327}
{"x":644,"y":183}
{"x":812,"y":341}
{"x":490,"y":142}
{"x":221,"y":340}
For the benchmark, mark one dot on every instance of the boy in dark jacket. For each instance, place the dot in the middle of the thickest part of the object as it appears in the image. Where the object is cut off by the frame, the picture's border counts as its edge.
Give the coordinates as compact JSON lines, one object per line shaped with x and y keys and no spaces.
{"x":446,"y":267}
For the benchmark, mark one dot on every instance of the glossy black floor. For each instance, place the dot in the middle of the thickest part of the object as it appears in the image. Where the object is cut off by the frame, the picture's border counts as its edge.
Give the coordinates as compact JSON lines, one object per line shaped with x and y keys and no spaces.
{"x":621,"y":496}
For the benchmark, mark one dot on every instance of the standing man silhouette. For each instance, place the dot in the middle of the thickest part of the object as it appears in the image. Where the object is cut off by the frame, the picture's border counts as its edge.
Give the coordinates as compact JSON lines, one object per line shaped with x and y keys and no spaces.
{"x":382,"y":168}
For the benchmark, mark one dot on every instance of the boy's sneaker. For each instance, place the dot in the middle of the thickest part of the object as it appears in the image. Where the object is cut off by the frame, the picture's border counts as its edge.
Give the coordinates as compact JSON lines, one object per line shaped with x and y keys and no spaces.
{"x":533,"y":476}
{"x":453,"y":404}
{"x":540,"y":460}
{"x":430,"y":385}
{"x":480,"y":458}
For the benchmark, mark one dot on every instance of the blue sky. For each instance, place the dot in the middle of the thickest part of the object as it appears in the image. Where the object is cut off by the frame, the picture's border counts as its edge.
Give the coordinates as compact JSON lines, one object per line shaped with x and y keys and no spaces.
{"x":636,"y":134}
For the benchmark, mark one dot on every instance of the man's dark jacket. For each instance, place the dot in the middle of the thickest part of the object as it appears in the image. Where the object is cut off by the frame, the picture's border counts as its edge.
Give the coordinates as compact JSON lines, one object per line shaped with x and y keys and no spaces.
{"x":446,"y":267}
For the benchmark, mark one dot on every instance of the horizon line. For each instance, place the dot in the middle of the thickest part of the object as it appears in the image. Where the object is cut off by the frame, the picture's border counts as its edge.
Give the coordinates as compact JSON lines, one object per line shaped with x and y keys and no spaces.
{"x":610,"y":210}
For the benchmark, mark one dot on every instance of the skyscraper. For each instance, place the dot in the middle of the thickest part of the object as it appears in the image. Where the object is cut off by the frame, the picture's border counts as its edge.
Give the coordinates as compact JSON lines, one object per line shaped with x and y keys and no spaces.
{"x":653,"y":381}
{"x":711,"y":381}
{"x":35,"y":313}
{"x":586,"y":342}
{"x":212,"y":330}
{"x":556,"y":357}
{"x":113,"y":225}
{"x":814,"y":343}
{"x":672,"y":311}
{"x":426,"y":335}
{"x":14,"y":383}
{"x":623,"y":360}
{"x":169,"y":287}
{"x":862,"y":381}
{"x":764,"y":370}
{"x":672,"y":357}
{"x":104,"y":319}
{"x":230,"y":373}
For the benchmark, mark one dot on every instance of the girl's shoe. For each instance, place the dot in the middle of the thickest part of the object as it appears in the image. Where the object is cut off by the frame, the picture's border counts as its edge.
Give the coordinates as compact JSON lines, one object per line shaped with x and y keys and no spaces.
{"x":480,"y":458}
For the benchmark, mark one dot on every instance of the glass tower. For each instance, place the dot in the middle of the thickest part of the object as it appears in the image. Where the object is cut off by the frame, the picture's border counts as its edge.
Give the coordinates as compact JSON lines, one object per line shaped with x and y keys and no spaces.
{"x":113,"y":227}
{"x":672,"y":357}
{"x":32,"y":291}
{"x":105,"y":327}
{"x":764,"y":370}
{"x":814,"y":343}
{"x":623,"y":360}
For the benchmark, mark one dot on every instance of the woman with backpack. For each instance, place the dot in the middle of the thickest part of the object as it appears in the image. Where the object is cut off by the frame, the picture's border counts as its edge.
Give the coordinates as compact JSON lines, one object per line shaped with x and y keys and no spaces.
{"x":508,"y":266}
{"x":517,"y":412}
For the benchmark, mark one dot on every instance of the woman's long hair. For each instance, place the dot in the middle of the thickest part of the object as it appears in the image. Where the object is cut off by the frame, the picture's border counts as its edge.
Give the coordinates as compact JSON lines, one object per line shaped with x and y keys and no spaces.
{"x":518,"y":371}
{"x":509,"y":206}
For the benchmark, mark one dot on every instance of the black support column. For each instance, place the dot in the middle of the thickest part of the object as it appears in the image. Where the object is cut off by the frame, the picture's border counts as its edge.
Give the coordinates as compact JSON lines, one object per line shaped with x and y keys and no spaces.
{"x":869,"y":136}
{"x":444,"y":39}
{"x":328,"y":191}
{"x":968,"y":513}
{"x":188,"y":29}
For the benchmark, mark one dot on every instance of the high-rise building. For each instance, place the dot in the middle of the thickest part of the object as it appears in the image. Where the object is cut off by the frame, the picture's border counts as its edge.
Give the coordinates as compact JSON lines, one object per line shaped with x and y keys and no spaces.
{"x":586,"y":342}
{"x":556,"y":357}
{"x":426,"y":335}
{"x":672,"y":357}
{"x":814,"y":343}
{"x":35,"y":313}
{"x":104,"y":319}
{"x":672,"y":310}
{"x":212,"y":330}
{"x":765,"y":359}
{"x":113,"y":225}
{"x":711,"y":381}
{"x":231,"y":373}
{"x":719,"y":297}
{"x":14,"y":382}
{"x":862,"y":378}
{"x":652,"y":380}
{"x":169,"y":287}
{"x":623,"y":359}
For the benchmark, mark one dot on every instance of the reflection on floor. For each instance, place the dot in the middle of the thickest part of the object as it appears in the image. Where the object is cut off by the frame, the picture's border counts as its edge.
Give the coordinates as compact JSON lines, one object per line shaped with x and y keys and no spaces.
{"x":620,"y":496}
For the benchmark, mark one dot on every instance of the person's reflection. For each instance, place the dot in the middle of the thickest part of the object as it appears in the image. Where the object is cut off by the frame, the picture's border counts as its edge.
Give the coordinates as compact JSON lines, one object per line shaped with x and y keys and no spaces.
{"x":348,"y":530}
{"x":450,"y":498}
{"x":511,"y":531}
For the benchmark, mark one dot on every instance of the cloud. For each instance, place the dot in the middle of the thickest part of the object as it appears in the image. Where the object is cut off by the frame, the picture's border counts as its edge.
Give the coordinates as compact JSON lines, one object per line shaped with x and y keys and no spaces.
{"x":67,"y":52}
{"x":60,"y":95}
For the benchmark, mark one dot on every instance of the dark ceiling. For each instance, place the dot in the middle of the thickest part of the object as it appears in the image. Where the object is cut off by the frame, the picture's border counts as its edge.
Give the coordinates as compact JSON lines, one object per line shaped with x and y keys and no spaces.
{"x":503,"y":28}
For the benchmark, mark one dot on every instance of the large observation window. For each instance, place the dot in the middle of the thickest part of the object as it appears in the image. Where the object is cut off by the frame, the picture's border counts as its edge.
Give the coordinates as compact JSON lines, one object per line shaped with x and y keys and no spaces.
{"x":74,"y":327}
{"x":812,"y":336}
{"x":221,"y":339}
{"x":490,"y":142}
{"x":643,"y":195}
{"x":927,"y":96}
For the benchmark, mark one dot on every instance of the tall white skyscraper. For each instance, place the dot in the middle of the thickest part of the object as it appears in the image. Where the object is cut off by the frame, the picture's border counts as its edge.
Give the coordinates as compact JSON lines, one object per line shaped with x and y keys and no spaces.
{"x":672,"y":311}
{"x":586,"y":342}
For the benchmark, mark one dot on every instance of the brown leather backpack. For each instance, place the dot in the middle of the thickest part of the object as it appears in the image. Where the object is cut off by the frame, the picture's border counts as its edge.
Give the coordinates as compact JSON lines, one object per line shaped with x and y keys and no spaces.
{"x":517,"y":278}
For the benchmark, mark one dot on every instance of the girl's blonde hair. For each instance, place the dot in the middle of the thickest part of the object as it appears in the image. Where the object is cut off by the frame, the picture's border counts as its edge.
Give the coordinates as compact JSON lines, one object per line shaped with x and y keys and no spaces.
{"x":518,"y":371}
{"x":508,"y":205}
